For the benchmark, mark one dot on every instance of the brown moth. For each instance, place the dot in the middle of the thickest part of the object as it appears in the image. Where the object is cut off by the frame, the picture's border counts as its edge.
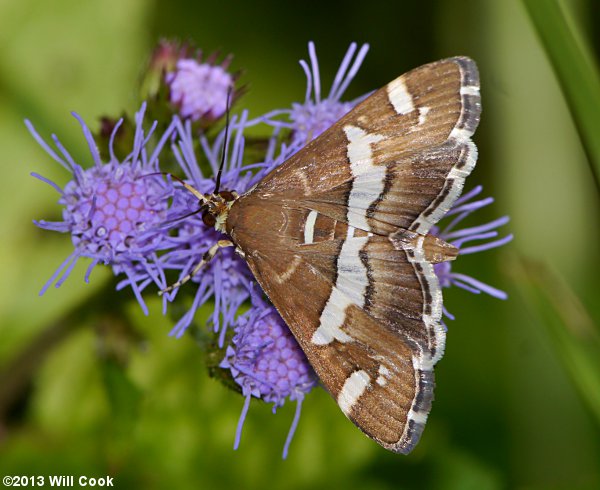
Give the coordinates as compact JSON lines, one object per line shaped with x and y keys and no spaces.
{"x":337,"y":237}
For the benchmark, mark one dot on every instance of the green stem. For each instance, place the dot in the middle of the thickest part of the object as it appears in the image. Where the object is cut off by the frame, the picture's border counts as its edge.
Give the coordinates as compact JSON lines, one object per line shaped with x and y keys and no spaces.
{"x":574,"y":335}
{"x":576,"y":73}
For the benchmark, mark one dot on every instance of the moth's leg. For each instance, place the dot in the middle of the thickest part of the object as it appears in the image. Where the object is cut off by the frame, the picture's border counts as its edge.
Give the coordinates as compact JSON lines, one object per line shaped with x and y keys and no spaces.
{"x":207,"y":257}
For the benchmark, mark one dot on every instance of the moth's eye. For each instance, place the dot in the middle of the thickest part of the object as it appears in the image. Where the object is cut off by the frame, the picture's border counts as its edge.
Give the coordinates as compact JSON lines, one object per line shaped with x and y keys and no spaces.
{"x":227,"y":195}
{"x":208,"y":219}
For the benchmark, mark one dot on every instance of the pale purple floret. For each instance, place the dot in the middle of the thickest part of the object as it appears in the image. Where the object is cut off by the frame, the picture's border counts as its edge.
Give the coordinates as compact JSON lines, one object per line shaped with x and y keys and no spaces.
{"x":113,"y":210}
{"x":199,"y":89}
{"x":267,"y":362}
{"x":309,"y":119}
{"x":486,"y":236}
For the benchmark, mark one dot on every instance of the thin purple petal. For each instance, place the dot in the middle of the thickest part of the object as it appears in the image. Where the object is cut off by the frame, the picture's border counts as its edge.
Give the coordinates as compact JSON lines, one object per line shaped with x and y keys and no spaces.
{"x":480,"y":236}
{"x":47,"y":181}
{"x":293,"y":427}
{"x":90,"y":140}
{"x":353,"y":71}
{"x":496,"y":293}
{"x":477,"y":229}
{"x":240,"y":425}
{"x":88,"y":272}
{"x":487,"y":246}
{"x":309,"y":81}
{"x":67,"y":272}
{"x":468,"y":195}
{"x":72,"y":257}
{"x":111,"y":141}
{"x":45,"y":145}
{"x":315,"y":70}
{"x":64,"y":151}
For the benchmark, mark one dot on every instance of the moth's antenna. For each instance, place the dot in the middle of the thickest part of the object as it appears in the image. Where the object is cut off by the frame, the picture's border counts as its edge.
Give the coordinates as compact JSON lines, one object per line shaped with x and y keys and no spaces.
{"x":195,"y":192}
{"x":228,"y":107}
{"x":185,"y":216}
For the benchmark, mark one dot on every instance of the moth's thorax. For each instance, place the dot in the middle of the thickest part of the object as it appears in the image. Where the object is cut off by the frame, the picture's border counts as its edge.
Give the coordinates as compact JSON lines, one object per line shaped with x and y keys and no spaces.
{"x":221,"y":218}
{"x":254,"y":218}
{"x":217,"y":208}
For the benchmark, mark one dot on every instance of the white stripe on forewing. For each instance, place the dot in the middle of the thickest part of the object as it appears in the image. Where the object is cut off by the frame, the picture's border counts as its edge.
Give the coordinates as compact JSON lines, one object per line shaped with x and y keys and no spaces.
{"x":383,"y":372}
{"x":400,"y":96}
{"x":352,"y":280}
{"x":349,"y":288}
{"x":423,"y":111}
{"x":368,"y":179}
{"x":309,"y":227}
{"x":354,"y":386}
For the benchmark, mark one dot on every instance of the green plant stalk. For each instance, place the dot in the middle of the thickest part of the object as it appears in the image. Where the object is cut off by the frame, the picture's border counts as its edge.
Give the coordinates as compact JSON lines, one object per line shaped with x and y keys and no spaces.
{"x":572,"y":331}
{"x":576,"y":73}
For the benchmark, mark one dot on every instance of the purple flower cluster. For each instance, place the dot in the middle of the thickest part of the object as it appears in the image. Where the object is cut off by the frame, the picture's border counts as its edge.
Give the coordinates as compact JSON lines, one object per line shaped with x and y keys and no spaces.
{"x":114,"y":210}
{"x":486,"y":234}
{"x":309,"y":119}
{"x":199,"y":89}
{"x":265,"y":360}
{"x":127,"y":214}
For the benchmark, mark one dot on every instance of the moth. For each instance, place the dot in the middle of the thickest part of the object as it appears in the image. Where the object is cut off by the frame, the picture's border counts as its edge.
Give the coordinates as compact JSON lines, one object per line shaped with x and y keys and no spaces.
{"x":338,"y":238}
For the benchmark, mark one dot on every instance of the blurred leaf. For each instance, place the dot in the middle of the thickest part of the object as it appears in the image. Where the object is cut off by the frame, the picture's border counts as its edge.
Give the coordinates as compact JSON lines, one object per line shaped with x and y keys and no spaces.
{"x":576,"y":72}
{"x":572,"y":331}
{"x":462,"y":471}
{"x":123,"y":394}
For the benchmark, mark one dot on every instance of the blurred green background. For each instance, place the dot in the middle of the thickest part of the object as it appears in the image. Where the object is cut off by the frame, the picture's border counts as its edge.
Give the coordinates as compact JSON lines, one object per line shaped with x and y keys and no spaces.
{"x":87,"y":393}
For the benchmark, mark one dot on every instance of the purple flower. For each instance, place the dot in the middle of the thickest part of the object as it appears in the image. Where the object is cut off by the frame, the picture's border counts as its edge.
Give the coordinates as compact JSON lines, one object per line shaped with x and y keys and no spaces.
{"x":199,"y":89}
{"x":112,"y":210}
{"x":267,"y":363}
{"x":264,"y":358}
{"x":309,"y":119}
{"x":226,"y":278}
{"x":486,"y":234}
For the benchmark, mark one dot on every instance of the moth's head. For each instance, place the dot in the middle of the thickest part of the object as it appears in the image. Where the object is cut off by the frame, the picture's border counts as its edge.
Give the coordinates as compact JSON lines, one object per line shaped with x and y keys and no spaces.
{"x":215,"y":208}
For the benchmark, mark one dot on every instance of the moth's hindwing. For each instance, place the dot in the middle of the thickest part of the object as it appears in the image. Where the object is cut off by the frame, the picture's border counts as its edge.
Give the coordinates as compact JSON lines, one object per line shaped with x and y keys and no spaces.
{"x":337,"y":238}
{"x":355,"y":305}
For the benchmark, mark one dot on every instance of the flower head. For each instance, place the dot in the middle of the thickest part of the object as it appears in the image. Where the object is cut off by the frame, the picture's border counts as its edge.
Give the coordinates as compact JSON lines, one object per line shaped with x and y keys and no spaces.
{"x":309,"y":119}
{"x":267,"y":363}
{"x":113,"y":211}
{"x":199,"y":89}
{"x":226,"y":278}
{"x":486,"y":234}
{"x":263,"y":356}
